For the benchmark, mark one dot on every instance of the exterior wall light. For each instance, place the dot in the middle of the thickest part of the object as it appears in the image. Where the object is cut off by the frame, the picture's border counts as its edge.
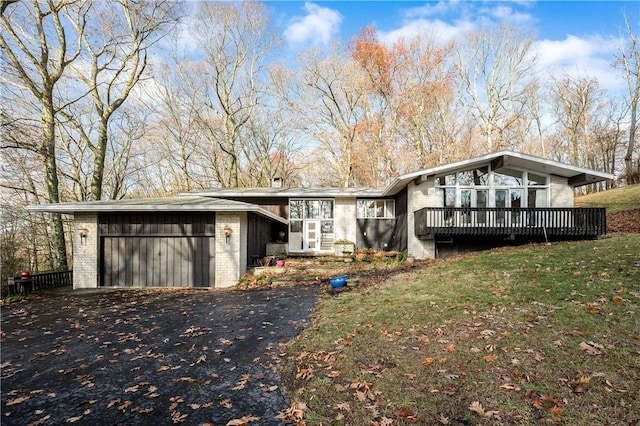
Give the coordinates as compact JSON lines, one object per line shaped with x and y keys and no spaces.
{"x":227,"y":233}
{"x":83,"y":233}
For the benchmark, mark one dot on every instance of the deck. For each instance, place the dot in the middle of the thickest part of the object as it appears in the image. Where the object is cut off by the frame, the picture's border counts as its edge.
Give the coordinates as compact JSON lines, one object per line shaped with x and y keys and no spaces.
{"x":558,"y":222}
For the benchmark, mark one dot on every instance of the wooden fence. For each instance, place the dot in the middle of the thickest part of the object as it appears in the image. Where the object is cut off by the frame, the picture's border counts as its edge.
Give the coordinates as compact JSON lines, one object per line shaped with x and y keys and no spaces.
{"x":42,"y":281}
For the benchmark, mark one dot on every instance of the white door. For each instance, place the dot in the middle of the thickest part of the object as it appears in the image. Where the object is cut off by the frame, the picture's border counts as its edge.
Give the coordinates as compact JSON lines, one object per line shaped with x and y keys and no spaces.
{"x":311,"y":236}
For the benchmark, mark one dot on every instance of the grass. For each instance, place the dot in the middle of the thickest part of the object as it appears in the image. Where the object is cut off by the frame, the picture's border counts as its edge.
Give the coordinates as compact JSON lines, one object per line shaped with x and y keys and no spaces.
{"x":615,"y":200}
{"x":527,"y":335}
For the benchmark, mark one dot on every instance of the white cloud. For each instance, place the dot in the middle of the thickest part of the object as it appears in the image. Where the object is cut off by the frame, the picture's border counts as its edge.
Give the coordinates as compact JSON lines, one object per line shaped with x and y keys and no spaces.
{"x":506,"y":14}
{"x":319,"y":26}
{"x":457,"y":18}
{"x":440,"y":8}
{"x":589,"y":56}
{"x":436,"y":30}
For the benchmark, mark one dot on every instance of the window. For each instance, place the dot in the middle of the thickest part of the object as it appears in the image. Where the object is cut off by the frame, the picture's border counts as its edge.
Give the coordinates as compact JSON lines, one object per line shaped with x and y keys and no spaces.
{"x":296,"y":226}
{"x":296,"y":209}
{"x":480,"y":187}
{"x":536,"y":180}
{"x":377,"y":209}
{"x":448,"y":197}
{"x":537,"y":197}
{"x":475,"y":177}
{"x":508,"y":177}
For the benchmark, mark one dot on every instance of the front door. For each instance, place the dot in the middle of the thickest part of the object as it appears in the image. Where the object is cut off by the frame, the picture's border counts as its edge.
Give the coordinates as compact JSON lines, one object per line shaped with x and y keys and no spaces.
{"x":311,"y":237}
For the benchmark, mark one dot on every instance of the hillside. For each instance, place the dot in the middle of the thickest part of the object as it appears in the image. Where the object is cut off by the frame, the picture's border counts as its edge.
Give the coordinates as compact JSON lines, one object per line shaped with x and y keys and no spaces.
{"x":623,"y":207}
{"x":538,"y":334}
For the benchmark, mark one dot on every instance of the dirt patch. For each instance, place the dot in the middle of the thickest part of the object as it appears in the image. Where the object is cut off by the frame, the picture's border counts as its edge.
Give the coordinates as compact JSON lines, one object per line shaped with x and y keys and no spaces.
{"x":627,"y":221}
{"x":149,"y":357}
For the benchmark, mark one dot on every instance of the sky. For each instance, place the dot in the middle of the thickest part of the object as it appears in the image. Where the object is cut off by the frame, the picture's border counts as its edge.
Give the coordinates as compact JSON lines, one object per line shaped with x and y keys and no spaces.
{"x":579,"y":38}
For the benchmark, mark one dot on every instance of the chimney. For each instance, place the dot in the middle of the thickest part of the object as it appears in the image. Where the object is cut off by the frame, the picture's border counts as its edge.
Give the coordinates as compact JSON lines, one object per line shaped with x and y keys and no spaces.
{"x":276,"y":182}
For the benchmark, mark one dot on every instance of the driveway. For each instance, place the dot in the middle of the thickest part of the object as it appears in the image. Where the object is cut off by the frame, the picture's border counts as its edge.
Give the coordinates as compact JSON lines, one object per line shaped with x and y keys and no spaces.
{"x":149,"y":357}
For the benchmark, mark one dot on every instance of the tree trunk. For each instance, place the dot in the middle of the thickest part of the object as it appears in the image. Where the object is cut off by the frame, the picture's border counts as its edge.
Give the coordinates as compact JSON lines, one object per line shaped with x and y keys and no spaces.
{"x":632,"y":176}
{"x":48,"y":151}
{"x":100,"y":153}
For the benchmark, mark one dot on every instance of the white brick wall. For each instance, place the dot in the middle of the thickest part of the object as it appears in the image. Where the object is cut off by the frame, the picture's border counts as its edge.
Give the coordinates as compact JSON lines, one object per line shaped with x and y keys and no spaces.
{"x":85,"y":252}
{"x":419,"y":196}
{"x":231,"y":257}
{"x":345,"y":219}
{"x":561,"y":192}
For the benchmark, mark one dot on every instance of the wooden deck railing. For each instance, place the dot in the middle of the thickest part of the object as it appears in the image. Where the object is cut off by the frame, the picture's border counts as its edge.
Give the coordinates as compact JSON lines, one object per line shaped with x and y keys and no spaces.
{"x":35,"y":282}
{"x":536,"y":222}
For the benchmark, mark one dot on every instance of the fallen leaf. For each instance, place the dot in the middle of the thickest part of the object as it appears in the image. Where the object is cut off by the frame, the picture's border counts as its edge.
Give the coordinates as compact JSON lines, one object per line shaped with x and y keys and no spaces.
{"x":591,"y":348}
{"x":450,"y":348}
{"x":490,"y":357}
{"x":407,"y":414}
{"x":17,"y":400}
{"x":556,"y":411}
{"x":509,"y":386}
{"x":477,"y":408}
{"x":428,"y":361}
{"x":294,"y":413}
{"x":343,"y":406}
{"x":304,"y":373}
{"x":73,"y":419}
{"x":178,"y":417}
{"x":245,"y":420}
{"x":40,"y":421}
{"x":578,"y":385}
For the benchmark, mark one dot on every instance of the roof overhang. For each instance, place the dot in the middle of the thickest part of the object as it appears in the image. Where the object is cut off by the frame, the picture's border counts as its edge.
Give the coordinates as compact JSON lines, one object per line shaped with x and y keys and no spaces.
{"x":329,"y":192}
{"x":168,"y":204}
{"x":577,"y":176}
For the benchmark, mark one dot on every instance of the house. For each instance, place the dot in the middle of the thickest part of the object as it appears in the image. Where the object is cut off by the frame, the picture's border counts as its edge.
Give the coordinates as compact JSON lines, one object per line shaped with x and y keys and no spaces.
{"x":209,"y":238}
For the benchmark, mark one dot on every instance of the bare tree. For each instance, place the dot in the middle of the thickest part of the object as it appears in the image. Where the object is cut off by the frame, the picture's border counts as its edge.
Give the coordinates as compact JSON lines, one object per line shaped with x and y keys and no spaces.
{"x":576,"y":100}
{"x":115,"y":47}
{"x":496,"y":69}
{"x":37,"y":52}
{"x":628,"y":61}
{"x":328,"y":99}
{"x":230,"y":81}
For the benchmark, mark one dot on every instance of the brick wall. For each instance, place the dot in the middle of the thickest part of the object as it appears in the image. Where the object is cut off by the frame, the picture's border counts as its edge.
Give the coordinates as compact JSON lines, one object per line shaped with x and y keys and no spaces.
{"x":345,"y":219}
{"x":85,"y":251}
{"x":561,"y":192}
{"x":419,"y":196}
{"x":231,"y":256}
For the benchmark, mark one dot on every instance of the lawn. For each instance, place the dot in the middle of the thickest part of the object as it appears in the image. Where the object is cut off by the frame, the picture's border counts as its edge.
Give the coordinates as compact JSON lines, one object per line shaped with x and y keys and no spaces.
{"x":525,"y":335}
{"x":615,"y":200}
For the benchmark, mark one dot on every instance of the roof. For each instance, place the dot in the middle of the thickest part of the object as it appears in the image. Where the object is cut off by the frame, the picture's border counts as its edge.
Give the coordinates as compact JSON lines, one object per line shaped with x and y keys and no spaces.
{"x":168,"y":204}
{"x":577,"y":176}
{"x":218,"y":199}
{"x":326,"y":192}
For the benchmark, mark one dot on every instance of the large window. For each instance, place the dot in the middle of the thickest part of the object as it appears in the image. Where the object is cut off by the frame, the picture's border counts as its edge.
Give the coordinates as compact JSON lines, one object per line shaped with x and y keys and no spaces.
{"x":481,"y":187}
{"x":377,"y":209}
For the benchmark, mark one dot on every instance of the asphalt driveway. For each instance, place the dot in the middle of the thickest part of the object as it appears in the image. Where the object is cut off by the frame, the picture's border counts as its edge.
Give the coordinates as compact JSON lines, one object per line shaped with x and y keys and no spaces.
{"x":149,"y":357}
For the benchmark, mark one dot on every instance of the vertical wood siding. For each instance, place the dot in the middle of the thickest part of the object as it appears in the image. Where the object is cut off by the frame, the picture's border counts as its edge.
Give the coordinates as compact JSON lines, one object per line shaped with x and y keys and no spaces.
{"x":157,"y":249}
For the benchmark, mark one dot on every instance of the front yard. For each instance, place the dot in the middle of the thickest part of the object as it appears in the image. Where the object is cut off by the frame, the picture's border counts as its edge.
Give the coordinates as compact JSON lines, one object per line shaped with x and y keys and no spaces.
{"x":527,"y":335}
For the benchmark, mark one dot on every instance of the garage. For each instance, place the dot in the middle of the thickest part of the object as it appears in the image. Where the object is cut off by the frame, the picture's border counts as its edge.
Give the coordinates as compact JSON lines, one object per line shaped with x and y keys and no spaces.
{"x":157,"y":249}
{"x":172,"y":242}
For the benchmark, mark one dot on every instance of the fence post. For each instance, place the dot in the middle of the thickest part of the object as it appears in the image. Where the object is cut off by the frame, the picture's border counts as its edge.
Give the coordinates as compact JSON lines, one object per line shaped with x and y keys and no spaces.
{"x":25,"y":282}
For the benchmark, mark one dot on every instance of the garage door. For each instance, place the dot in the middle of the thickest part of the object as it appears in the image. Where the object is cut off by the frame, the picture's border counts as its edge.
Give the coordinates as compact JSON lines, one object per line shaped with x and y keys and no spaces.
{"x":159,"y":261}
{"x":157,"y":249}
